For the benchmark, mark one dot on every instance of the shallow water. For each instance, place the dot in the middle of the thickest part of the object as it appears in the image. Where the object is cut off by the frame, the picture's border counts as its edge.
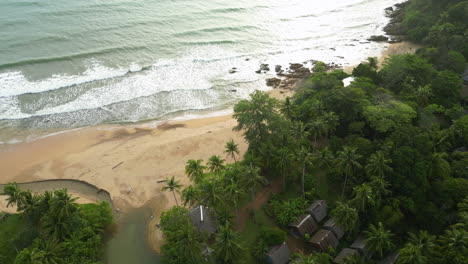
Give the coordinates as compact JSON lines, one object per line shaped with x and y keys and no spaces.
{"x":67,"y":64}
{"x":128,"y":244}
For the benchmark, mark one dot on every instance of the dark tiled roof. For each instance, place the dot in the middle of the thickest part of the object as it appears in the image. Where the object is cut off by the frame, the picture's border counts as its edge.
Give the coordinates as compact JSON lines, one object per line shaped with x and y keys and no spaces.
{"x":203,"y":219}
{"x":304,"y":224}
{"x":390,"y":258}
{"x":278,"y":254}
{"x":318,"y":210}
{"x":324,"y":239}
{"x":360,"y":244}
{"x":344,"y":253}
{"x":336,"y":229}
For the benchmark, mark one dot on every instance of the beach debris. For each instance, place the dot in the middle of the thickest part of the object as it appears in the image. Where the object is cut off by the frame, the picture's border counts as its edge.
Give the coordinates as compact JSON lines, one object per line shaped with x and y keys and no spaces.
{"x":162,"y":181}
{"x":120,"y":163}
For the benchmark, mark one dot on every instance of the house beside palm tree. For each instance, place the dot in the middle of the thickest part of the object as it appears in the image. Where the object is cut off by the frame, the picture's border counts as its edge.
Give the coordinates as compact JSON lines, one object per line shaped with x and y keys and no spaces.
{"x":360,"y":245}
{"x":305,"y":224}
{"x":344,"y":255}
{"x":203,"y":219}
{"x":324,"y":240}
{"x":390,"y":258}
{"x":318,"y":210}
{"x":278,"y":254}
{"x":331,"y":225}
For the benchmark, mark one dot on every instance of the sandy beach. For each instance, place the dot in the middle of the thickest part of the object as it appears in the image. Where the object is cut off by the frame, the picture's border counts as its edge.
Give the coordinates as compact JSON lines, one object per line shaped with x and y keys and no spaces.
{"x":128,"y":161}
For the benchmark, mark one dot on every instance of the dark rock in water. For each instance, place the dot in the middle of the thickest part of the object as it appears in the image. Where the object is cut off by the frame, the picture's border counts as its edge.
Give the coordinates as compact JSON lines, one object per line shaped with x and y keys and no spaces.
{"x":233,"y":70}
{"x":264,"y":67}
{"x":341,"y":57}
{"x":295,"y":66}
{"x":258,"y":71}
{"x":379,"y":38}
{"x":389,"y":8}
{"x":333,"y":49}
{"x":277,"y":68}
{"x":274,"y":82}
{"x":351,"y":45}
{"x":281,"y":92}
{"x":233,"y":90}
{"x":247,"y":59}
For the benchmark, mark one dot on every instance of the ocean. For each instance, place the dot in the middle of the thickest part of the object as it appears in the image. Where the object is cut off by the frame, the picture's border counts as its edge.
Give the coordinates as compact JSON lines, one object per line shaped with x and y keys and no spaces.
{"x":70,"y":64}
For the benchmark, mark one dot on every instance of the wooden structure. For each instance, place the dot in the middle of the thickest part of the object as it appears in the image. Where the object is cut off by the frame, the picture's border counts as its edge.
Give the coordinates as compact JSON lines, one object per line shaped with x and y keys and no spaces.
{"x":278,"y":254}
{"x":318,"y":210}
{"x":304,"y":224}
{"x":344,"y":254}
{"x":324,"y":239}
{"x":331,"y":225}
{"x":360,"y":245}
{"x":203,"y":219}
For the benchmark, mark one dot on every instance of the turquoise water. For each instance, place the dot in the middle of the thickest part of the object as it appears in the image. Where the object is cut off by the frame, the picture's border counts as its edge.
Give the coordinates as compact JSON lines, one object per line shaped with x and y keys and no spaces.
{"x":67,"y":64}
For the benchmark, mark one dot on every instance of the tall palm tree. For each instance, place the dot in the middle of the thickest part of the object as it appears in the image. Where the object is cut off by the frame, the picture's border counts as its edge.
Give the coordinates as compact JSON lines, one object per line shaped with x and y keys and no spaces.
{"x":378,"y":165}
{"x":173,"y":186}
{"x":317,"y":128}
{"x":233,"y":194}
{"x":232,"y":149}
{"x":348,"y":162}
{"x":331,"y":121}
{"x":363,"y":197}
{"x":304,"y":157}
{"x":31,"y":205}
{"x":345,"y":216}
{"x":380,"y":188}
{"x":287,"y":108}
{"x":215,"y":164}
{"x":194,"y":170}
{"x":51,"y":251}
{"x":424,"y":240}
{"x":283,"y":161}
{"x":252,"y":179}
{"x":411,"y":254}
{"x":190,"y":196}
{"x":13,"y":192}
{"x":300,"y":133}
{"x":325,"y":159}
{"x":210,"y":192}
{"x":63,"y":206}
{"x":377,"y":239}
{"x":454,"y":240}
{"x":227,"y":247}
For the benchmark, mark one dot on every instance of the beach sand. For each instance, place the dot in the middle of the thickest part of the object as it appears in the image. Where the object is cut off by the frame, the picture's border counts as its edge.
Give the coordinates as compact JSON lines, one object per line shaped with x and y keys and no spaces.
{"x":128,"y":161}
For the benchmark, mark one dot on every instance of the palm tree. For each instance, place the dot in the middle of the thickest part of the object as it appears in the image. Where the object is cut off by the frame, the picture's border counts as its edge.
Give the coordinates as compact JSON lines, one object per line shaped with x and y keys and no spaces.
{"x":345,"y":216}
{"x":299,"y":133}
{"x":215,"y":164}
{"x":190,"y":196}
{"x":227,"y":247}
{"x":378,"y":239}
{"x":331,"y":121}
{"x":63,"y":206}
{"x":287,"y":108}
{"x":411,"y":254}
{"x":283,"y":161}
{"x":424,"y":241}
{"x":31,"y":205}
{"x":325,"y":159}
{"x":348,"y":163}
{"x":378,"y":165}
{"x":173,"y":186}
{"x":210,"y":192}
{"x":233,"y":194}
{"x":304,"y":157}
{"x":317,"y":128}
{"x":51,"y":251}
{"x":194,"y":170}
{"x":363,"y":196}
{"x":455,"y":240}
{"x":252,"y":179}
{"x":232,"y":149}
{"x":379,"y":187}
{"x":13,"y":192}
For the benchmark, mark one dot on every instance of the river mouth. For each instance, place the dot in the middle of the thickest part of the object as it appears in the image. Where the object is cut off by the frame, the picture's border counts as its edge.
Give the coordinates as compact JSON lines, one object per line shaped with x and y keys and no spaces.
{"x":129,"y":243}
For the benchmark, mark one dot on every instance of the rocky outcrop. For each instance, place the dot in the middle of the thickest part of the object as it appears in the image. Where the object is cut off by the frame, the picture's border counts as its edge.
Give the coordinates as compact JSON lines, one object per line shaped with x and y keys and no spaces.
{"x":273,"y":82}
{"x":397,"y":14}
{"x":263,"y":68}
{"x":379,"y":38}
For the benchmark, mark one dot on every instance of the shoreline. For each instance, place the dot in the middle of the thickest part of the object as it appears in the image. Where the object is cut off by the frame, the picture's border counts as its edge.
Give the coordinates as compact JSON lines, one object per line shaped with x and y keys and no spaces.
{"x":128,"y":160}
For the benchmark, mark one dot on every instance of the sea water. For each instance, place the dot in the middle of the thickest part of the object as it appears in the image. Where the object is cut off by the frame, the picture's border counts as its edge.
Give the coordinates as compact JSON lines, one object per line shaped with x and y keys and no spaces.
{"x":68,"y":64}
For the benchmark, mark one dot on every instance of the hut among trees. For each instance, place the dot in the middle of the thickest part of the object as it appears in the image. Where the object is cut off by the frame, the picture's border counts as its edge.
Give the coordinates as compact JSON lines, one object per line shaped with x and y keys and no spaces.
{"x":344,"y":254}
{"x":304,"y":224}
{"x":203,"y":219}
{"x":360,"y":245}
{"x":324,"y":239}
{"x":278,"y":254}
{"x":334,"y":227}
{"x":390,"y":258}
{"x":318,"y":210}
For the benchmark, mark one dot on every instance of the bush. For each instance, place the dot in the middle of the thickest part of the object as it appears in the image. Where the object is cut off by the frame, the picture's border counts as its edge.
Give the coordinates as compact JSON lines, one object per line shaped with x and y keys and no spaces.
{"x":286,"y":211}
{"x":272,"y":236}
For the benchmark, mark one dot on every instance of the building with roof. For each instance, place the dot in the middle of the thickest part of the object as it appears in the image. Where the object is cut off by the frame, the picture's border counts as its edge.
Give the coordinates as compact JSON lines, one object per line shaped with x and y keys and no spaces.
{"x":331,"y":225}
{"x":344,"y":254}
{"x":203,"y":219}
{"x":278,"y":254}
{"x":304,"y":224}
{"x":323,"y":240}
{"x":390,"y":258}
{"x":318,"y":210}
{"x":360,"y":245}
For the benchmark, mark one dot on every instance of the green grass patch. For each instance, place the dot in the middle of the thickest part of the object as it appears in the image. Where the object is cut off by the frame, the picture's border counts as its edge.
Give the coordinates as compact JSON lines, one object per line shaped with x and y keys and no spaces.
{"x":10,"y":227}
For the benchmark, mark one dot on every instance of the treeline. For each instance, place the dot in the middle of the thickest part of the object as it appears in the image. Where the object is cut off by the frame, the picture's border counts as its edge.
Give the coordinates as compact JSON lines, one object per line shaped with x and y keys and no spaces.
{"x":52,"y":228}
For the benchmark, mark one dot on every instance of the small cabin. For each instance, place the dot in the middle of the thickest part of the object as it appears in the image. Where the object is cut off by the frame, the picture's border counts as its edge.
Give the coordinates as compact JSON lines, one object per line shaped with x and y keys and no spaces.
{"x":360,"y":245}
{"x":334,"y":227}
{"x":278,"y":254}
{"x":203,"y":219}
{"x":324,"y":239}
{"x":318,"y":210}
{"x":344,"y":254}
{"x":304,"y":224}
{"x":390,"y":258}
